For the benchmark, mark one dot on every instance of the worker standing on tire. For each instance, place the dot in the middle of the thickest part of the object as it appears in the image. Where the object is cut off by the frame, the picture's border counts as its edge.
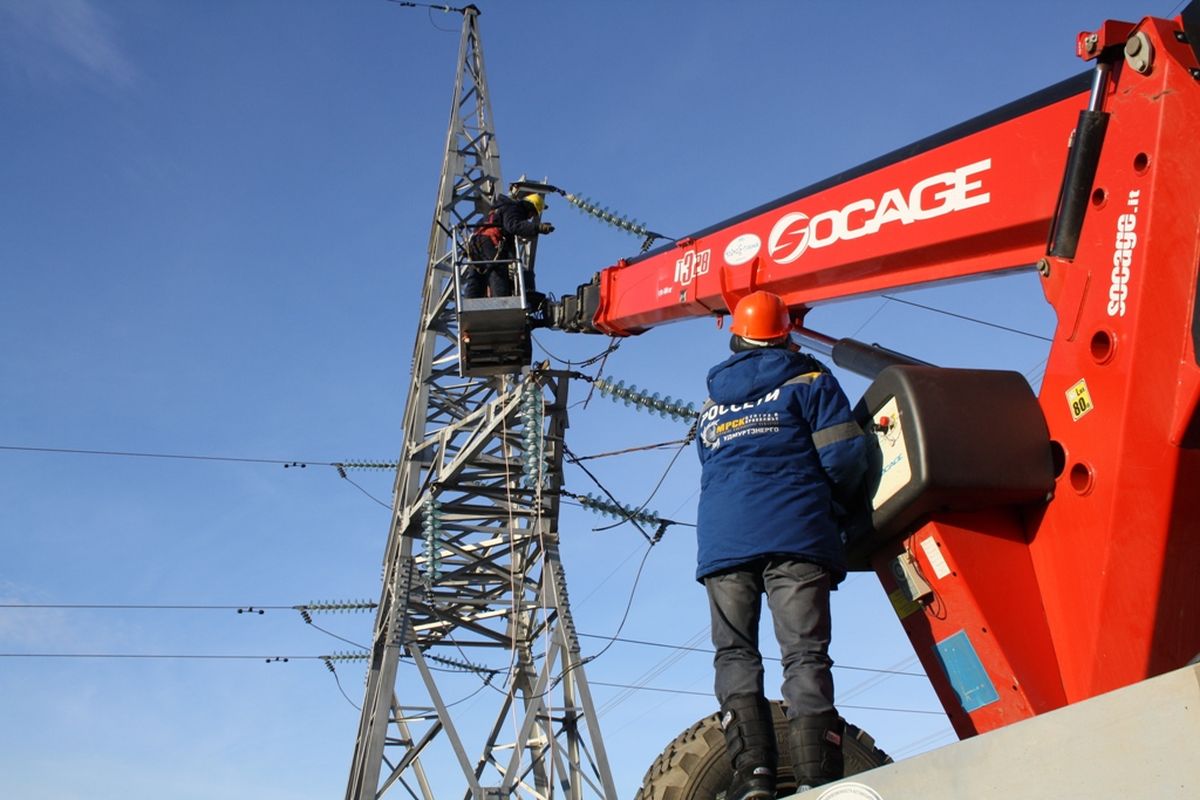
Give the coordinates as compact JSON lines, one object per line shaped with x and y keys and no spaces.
{"x":492,"y":248}
{"x":778,"y":448}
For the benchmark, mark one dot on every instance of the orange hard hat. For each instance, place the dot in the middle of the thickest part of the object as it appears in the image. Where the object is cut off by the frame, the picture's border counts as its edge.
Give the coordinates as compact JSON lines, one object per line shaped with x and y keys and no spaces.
{"x":761,"y":316}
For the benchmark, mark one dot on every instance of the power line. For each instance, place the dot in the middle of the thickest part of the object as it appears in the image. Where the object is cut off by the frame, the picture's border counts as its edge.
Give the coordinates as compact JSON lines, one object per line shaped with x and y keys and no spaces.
{"x":193,"y":657}
{"x":637,"y":579}
{"x":431,"y":6}
{"x":356,"y":485}
{"x":609,"y":349}
{"x":153,"y":607}
{"x":575,"y":460}
{"x":664,"y":664}
{"x":284,"y":659}
{"x":174,"y":656}
{"x":867,"y":321}
{"x":327,"y":632}
{"x":765,"y":658}
{"x":341,"y":466}
{"x":895,"y":299}
{"x":297,"y":463}
{"x":366,"y":607}
{"x":292,"y":462}
{"x":607,"y":578}
{"x":694,"y":693}
{"x":333,"y":671}
{"x":662,"y":478}
{"x":867,"y":684}
{"x":1037,"y":371}
{"x":896,"y":710}
{"x":920,"y":744}
{"x":627,"y":450}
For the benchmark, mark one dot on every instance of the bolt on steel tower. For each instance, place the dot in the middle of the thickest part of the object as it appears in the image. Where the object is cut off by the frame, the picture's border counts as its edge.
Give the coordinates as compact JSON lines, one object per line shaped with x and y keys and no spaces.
{"x":473,"y":589}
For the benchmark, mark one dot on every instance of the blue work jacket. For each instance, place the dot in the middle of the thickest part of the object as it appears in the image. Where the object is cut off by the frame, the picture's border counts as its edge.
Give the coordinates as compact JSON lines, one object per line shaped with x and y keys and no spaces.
{"x":778,"y":445}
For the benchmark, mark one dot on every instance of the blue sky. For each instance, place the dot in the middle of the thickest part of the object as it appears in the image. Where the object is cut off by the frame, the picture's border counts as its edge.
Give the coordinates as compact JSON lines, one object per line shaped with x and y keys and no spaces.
{"x":212,"y":232}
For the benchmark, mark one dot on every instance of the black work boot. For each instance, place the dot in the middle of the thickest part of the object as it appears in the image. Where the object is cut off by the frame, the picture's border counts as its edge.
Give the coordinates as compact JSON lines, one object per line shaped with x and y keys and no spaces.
{"x":750,"y":738}
{"x":815,"y":745}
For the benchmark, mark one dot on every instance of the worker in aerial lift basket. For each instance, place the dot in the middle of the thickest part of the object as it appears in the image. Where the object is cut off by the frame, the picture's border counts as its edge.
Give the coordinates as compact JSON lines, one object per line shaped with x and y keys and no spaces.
{"x":492,"y":248}
{"x":779,"y":450}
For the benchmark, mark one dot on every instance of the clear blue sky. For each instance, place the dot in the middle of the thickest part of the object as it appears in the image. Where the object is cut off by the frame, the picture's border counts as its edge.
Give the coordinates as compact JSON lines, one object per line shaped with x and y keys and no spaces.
{"x":213,"y":221}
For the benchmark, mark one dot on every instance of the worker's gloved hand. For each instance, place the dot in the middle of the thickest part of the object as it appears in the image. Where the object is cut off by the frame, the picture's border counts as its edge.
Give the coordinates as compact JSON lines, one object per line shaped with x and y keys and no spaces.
{"x":545,"y":227}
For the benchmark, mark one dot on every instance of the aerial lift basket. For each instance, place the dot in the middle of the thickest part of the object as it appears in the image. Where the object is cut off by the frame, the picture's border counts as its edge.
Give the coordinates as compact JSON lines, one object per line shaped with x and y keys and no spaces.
{"x":494,"y":337}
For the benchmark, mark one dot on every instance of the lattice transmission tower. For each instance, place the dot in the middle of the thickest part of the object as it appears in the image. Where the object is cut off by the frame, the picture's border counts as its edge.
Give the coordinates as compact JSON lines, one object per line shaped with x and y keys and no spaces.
{"x":472,"y":581}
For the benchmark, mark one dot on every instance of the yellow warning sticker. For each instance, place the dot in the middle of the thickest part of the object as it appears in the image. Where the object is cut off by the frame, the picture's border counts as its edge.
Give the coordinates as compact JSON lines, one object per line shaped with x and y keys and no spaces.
{"x":903,"y":605}
{"x":1079,"y":399}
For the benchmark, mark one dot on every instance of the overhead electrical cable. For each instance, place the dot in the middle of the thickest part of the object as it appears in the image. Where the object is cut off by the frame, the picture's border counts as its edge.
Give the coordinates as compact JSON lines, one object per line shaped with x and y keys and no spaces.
{"x":333,"y":671}
{"x":895,"y":299}
{"x":637,"y":578}
{"x":708,"y":651}
{"x":575,"y":460}
{"x":605,"y":580}
{"x":340,"y":466}
{"x":289,"y":658}
{"x":891,"y":671}
{"x":653,"y":672}
{"x":657,"y":486}
{"x":709,"y":694}
{"x":356,"y":485}
{"x":641,"y":448}
{"x":874,"y":314}
{"x":431,"y":6}
{"x":174,"y":656}
{"x":366,"y":606}
{"x":291,"y":462}
{"x":308,"y":619}
{"x":203,"y":657}
{"x":1037,"y":372}
{"x":611,"y":347}
{"x":920,"y":744}
{"x":624,"y":617}
{"x":151,"y":607}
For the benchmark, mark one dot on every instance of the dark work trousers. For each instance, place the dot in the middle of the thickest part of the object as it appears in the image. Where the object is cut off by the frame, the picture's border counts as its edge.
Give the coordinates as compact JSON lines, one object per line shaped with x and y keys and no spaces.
{"x":478,"y":278}
{"x":798,"y":596}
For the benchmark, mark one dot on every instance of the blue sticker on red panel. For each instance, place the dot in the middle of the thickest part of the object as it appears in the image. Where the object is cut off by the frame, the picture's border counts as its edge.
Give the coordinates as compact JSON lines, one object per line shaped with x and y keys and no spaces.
{"x":967,"y":676}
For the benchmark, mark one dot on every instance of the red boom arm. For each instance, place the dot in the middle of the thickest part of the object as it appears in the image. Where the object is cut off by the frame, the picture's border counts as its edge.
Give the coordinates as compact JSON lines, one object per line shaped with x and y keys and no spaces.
{"x":1100,"y":586}
{"x":974,"y":199}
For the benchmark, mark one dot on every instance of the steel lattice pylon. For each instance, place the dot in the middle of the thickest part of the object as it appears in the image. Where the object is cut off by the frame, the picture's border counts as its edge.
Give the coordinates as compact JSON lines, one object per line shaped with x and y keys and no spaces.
{"x":472,"y":559}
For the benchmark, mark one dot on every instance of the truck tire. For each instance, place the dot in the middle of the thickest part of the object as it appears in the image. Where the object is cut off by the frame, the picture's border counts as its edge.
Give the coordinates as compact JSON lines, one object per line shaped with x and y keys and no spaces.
{"x":694,"y":766}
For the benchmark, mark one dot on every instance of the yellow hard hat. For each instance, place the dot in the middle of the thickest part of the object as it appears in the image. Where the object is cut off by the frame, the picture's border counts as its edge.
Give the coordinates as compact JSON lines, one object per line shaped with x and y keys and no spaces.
{"x":537,"y":200}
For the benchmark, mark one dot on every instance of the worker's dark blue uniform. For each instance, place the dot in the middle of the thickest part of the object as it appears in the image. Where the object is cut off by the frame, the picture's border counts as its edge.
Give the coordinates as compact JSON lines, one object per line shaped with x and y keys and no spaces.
{"x":778,"y":447}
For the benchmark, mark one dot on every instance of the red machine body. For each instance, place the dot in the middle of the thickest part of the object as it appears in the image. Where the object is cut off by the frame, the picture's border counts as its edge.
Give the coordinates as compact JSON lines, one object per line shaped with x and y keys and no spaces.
{"x":1099,"y":586}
